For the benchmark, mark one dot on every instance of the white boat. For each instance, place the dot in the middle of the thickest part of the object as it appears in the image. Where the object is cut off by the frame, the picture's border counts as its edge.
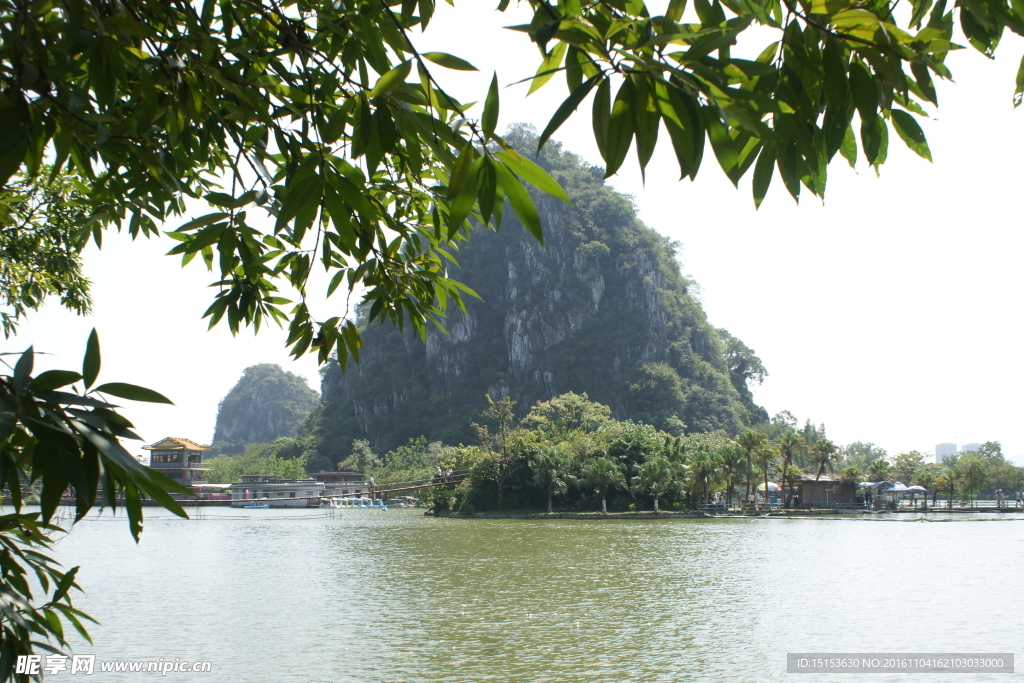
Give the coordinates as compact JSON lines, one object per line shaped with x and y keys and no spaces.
{"x":331,"y":503}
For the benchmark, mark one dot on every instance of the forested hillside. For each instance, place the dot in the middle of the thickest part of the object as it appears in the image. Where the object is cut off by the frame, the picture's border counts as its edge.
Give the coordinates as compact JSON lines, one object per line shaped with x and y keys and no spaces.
{"x":601,"y":308}
{"x":267,"y":402}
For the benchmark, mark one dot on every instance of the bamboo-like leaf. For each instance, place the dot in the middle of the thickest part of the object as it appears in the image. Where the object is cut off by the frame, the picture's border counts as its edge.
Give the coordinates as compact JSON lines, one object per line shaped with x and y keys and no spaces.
{"x":520,"y":200}
{"x":391,"y":80}
{"x":548,"y":68}
{"x":91,"y":361}
{"x":620,"y":129}
{"x":55,"y":379}
{"x":132,"y":392}
{"x":763,"y":171}
{"x":533,"y":174}
{"x":489,"y":120}
{"x":566,"y":109}
{"x":1018,"y":94}
{"x":461,"y":172}
{"x":601,"y":116}
{"x":722,"y":144}
{"x":449,"y":61}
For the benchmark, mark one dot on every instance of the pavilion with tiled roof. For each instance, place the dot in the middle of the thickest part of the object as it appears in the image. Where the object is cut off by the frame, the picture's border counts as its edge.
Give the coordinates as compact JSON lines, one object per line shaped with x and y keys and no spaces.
{"x":178,"y":458}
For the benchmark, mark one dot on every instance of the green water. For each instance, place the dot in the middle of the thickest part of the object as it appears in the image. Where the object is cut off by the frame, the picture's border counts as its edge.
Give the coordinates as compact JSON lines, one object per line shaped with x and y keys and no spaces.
{"x":293,"y":595}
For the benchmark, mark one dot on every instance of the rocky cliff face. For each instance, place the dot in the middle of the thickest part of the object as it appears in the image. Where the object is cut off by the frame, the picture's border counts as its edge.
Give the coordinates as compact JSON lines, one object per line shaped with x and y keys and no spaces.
{"x":266,"y":403}
{"x":600,"y":308}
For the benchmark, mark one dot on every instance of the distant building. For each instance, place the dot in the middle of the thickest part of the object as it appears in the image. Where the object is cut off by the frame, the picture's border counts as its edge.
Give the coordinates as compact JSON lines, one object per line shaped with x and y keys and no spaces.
{"x":344,"y":483}
{"x":828,"y":491}
{"x":275,"y":492}
{"x":943,"y":451}
{"x":180,"y":459}
{"x":970,"y":447}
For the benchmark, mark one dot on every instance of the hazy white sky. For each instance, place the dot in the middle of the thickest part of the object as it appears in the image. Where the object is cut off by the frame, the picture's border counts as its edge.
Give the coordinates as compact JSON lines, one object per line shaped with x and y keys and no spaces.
{"x":890,"y":312}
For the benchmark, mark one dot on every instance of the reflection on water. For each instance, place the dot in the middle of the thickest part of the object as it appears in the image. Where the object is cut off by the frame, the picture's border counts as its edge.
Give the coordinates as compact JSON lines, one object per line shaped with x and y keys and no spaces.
{"x":293,"y":595}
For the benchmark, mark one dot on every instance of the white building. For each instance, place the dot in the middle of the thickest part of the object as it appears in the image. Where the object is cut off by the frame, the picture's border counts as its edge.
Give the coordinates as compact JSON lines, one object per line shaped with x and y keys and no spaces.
{"x":275,"y":492}
{"x":970,"y":447}
{"x":943,"y":451}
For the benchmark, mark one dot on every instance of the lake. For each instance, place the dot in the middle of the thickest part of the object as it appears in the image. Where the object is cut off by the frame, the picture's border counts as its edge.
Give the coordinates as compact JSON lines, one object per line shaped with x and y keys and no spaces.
{"x":296,"y":595}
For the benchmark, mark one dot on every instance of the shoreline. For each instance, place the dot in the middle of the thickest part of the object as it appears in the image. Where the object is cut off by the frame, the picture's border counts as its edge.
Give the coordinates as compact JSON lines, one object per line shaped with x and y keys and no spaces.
{"x":650,"y":515}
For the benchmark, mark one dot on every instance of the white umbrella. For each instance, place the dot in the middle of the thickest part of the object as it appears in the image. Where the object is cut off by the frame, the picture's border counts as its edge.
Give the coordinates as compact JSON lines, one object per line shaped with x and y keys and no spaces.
{"x":898,"y":488}
{"x":916,"y":489}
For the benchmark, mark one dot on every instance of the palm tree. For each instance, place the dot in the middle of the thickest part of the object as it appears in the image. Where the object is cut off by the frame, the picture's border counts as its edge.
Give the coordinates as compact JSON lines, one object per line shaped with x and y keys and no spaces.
{"x":879,"y":469}
{"x":702,"y":469}
{"x":654,"y":476}
{"x":973,"y":475}
{"x":788,"y":443}
{"x":926,"y":478}
{"x":948,"y":481}
{"x":851,"y":475}
{"x":824,"y":455}
{"x":751,"y":441}
{"x":548,"y":465}
{"x":602,"y":474}
{"x":731,"y":457}
{"x":764,"y":456}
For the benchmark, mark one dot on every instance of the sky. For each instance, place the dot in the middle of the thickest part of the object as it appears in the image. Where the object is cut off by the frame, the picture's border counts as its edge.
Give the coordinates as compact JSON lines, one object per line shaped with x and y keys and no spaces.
{"x":890,"y":311}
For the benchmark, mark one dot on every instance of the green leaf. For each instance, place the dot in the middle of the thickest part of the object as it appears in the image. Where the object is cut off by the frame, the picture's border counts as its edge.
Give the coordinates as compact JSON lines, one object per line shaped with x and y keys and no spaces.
{"x":460,"y":173}
{"x":620,"y":129}
{"x":927,"y":85}
{"x":683,"y":121}
{"x":23,"y":368}
{"x":828,"y":6}
{"x":520,"y":200}
{"x":865,"y":91}
{"x":201,"y":222}
{"x":837,"y":120}
{"x":533,"y":174}
{"x":487,"y":191}
{"x":646,"y":119}
{"x":490,"y":118}
{"x":548,"y":68}
{"x":871,"y":137}
{"x":449,"y":61}
{"x":463,"y":202}
{"x":909,"y":130}
{"x":921,"y":8}
{"x":566,"y":109}
{"x":675,"y":9}
{"x":601,"y":117}
{"x":575,"y":58}
{"x":91,"y":362}
{"x":55,"y":379}
{"x":722,"y":144}
{"x":391,"y":80}
{"x":763,"y":171}
{"x":835,"y":73}
{"x":1018,"y":94}
{"x":132,"y":392}
{"x":849,"y":147}
{"x":66,"y":582}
